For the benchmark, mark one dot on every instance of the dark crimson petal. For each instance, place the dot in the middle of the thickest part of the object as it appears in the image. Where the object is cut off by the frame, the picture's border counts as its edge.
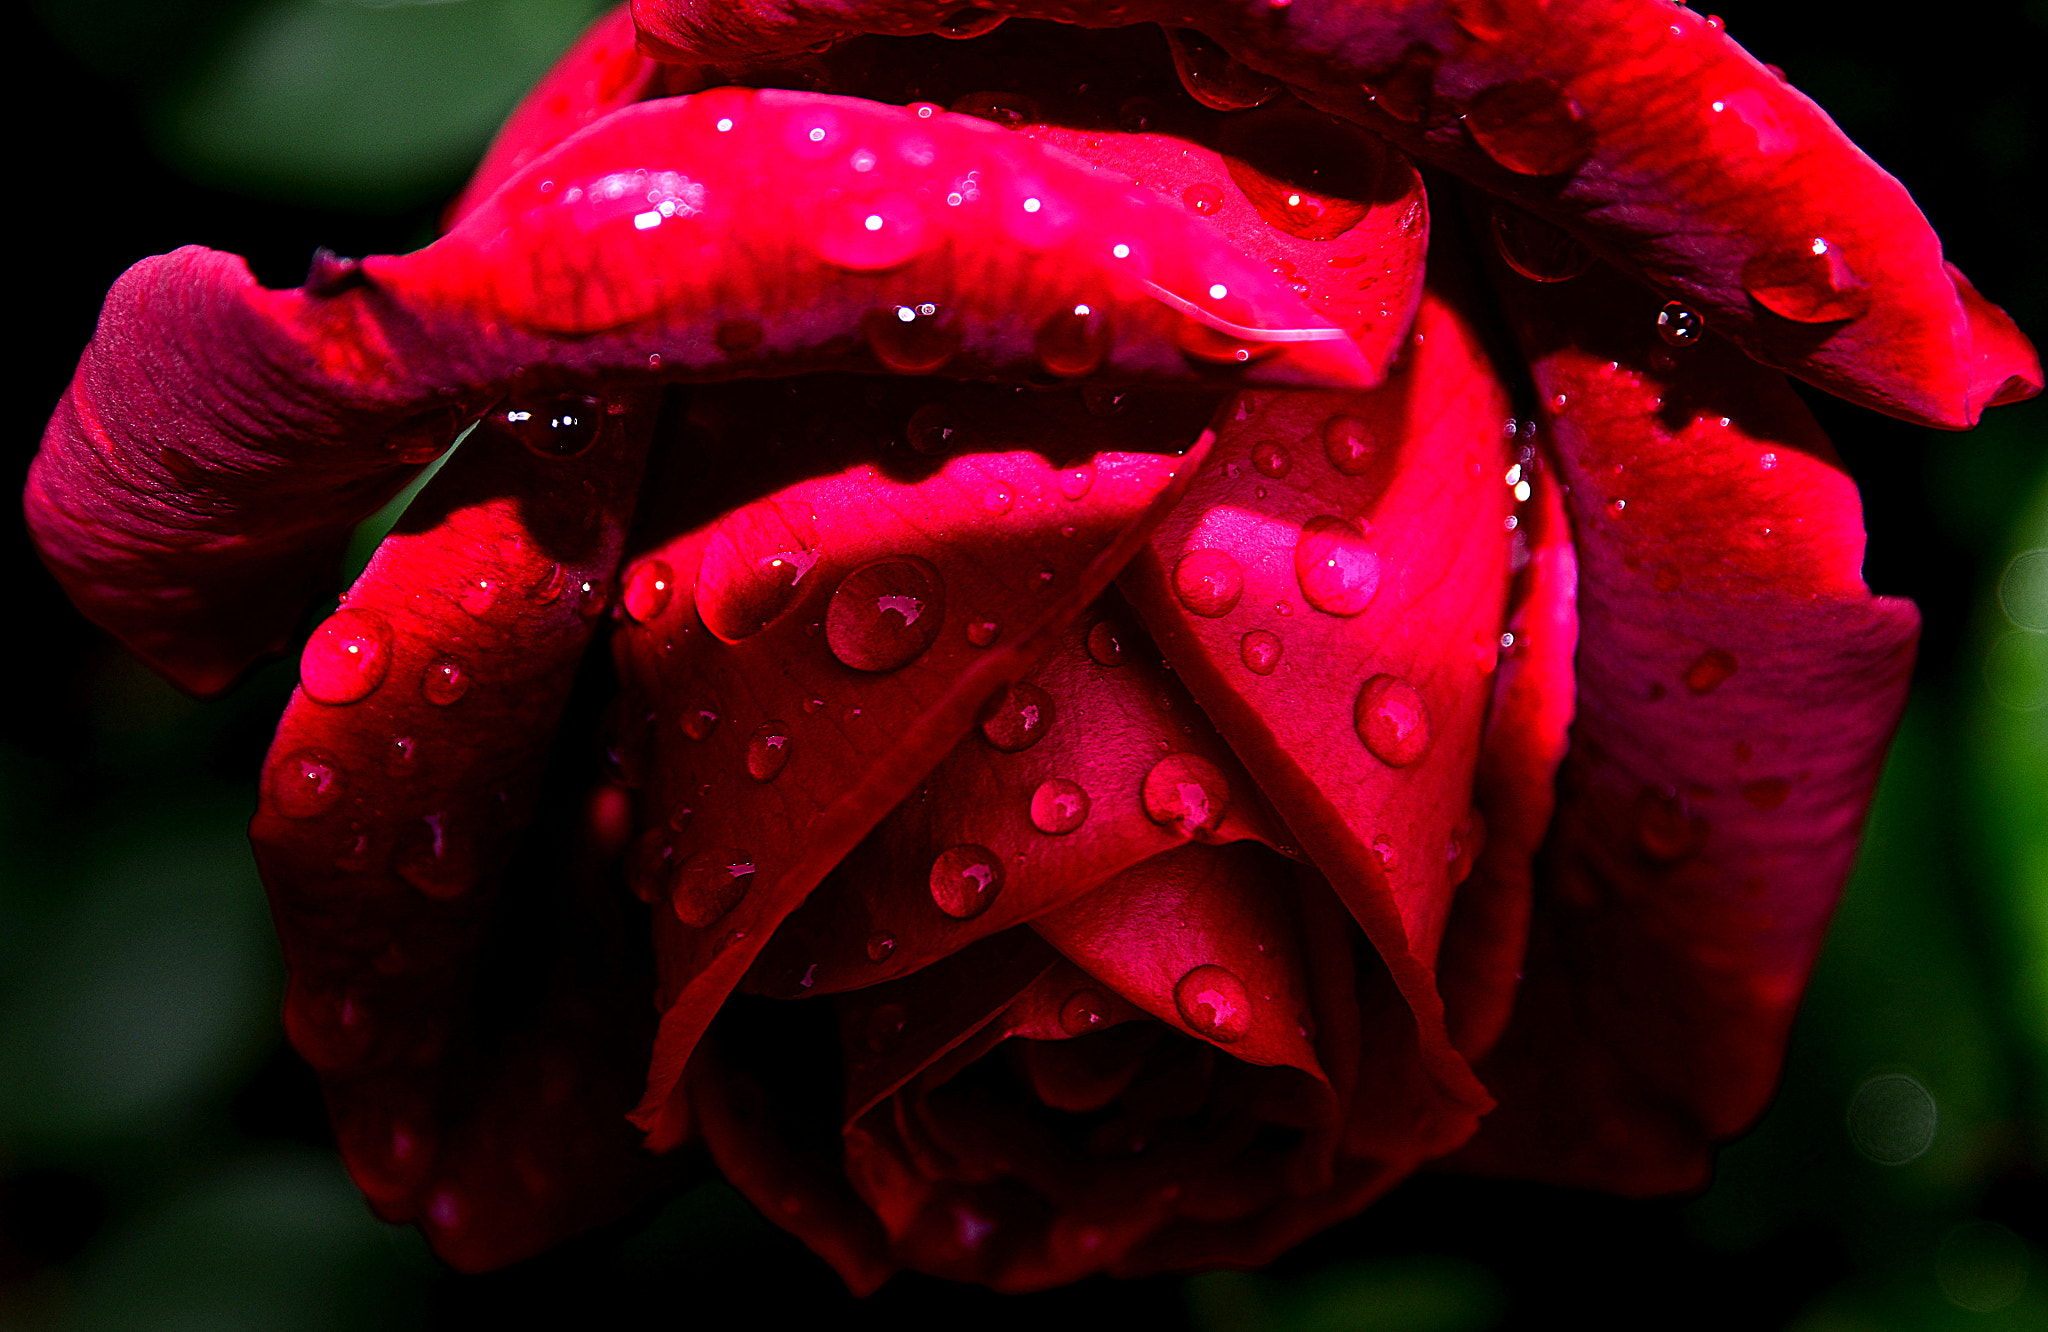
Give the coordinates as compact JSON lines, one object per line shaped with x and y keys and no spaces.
{"x":403,"y":773}
{"x":824,"y":647}
{"x":1051,"y":790}
{"x":1639,"y":126}
{"x":1737,"y":687}
{"x":1527,"y":730}
{"x":1352,"y":674}
{"x":278,"y":419}
{"x":603,"y":71}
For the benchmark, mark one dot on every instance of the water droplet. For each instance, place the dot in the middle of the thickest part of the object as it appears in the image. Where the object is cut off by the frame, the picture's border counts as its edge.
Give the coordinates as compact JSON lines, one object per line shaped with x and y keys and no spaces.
{"x":1138,"y":115}
{"x":1351,"y":444}
{"x":1059,"y":806}
{"x":699,"y":720}
{"x":768,"y":751}
{"x":996,"y":500}
{"x":558,"y":427}
{"x":1405,"y":90}
{"x":1337,"y":570}
{"x":1260,"y":651}
{"x":1311,"y":176}
{"x":1202,"y":197}
{"x":347,"y":656}
{"x":981,"y":633}
{"x":1214,"y":1004}
{"x":648,"y":589}
{"x":755,"y":570}
{"x":1811,"y":284}
{"x":1105,"y":643}
{"x":1102,"y":401}
{"x":1076,"y":482}
{"x":1212,"y":77}
{"x":1680,"y":325}
{"x":1075,"y":339}
{"x":881,"y":946}
{"x":306,"y":783}
{"x":1536,"y":249}
{"x":1209,"y":582}
{"x":1709,"y":670}
{"x":873,"y":234}
{"x":1017,"y":718}
{"x":445,"y":682}
{"x":935,"y":428}
{"x":427,"y":858}
{"x":911,"y":339}
{"x":1043,"y":577}
{"x":591,"y":597}
{"x":1272,"y":459}
{"x":1188,"y":791}
{"x":884,"y":1031}
{"x":1384,"y":852}
{"x":1530,"y":127}
{"x":1665,"y":830}
{"x":965,"y":880}
{"x":710,"y":884}
{"x":1084,"y":1011}
{"x":1392,"y":720}
{"x":884,"y":615}
{"x":973,"y":21}
{"x":1461,"y":853}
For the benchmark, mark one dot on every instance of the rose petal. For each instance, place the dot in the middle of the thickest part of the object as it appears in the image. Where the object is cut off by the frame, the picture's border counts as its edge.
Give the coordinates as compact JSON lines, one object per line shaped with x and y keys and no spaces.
{"x":1051,"y":791}
{"x":1643,"y":129}
{"x":1738,"y":686}
{"x":403,"y":774}
{"x":856,"y":589}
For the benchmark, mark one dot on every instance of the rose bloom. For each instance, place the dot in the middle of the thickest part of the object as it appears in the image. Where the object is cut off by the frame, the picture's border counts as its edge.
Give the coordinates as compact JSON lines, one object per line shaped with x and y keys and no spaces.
{"x":1155,"y":668}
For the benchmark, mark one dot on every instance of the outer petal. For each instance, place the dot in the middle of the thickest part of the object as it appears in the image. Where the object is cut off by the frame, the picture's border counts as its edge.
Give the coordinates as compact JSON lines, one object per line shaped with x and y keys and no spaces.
{"x":278,"y":419}
{"x":1640,"y":126}
{"x":1737,"y":687}
{"x":402,"y":777}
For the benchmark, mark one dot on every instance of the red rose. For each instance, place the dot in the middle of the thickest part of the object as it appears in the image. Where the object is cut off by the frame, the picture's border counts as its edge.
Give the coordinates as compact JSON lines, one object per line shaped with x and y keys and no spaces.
{"x":1226,"y":715}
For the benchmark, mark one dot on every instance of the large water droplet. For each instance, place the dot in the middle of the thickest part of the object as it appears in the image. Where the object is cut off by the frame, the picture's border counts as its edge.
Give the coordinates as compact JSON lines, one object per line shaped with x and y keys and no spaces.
{"x":1187,"y":791}
{"x":1406,"y":90}
{"x":965,"y":880}
{"x":1351,"y":444}
{"x":1260,"y":651}
{"x":768,"y":751}
{"x":1017,"y":718}
{"x":1680,"y":325}
{"x":1392,"y":720}
{"x":1214,"y":1004}
{"x":973,"y":21}
{"x":1212,"y":77}
{"x":709,"y":884}
{"x":347,"y":656}
{"x":1074,"y":340}
{"x":1337,"y":570}
{"x":1085,"y":1010}
{"x":1530,"y":127}
{"x":911,"y":339}
{"x":557,"y":427}
{"x":1811,"y":284}
{"x":1105,"y":643}
{"x":884,"y":615}
{"x":1059,"y":806}
{"x":306,"y":783}
{"x":1536,"y":249}
{"x":1208,"y":582}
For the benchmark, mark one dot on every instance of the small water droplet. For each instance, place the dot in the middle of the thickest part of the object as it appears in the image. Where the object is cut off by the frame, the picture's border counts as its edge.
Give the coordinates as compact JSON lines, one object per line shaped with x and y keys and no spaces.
{"x":1059,"y":806}
{"x":1085,"y":1010}
{"x":1202,"y":197}
{"x":911,"y":339}
{"x":981,"y":633}
{"x":871,"y":235}
{"x":1043,"y":577}
{"x":445,"y":682}
{"x":973,"y":21}
{"x":557,"y":427}
{"x":648,"y":589}
{"x":1392,"y":720}
{"x":1680,"y":325}
{"x":698,"y":720}
{"x":709,"y":884}
{"x":881,"y":946}
{"x":997,"y":501}
{"x":1102,"y":401}
{"x":1536,"y":249}
{"x":885,"y":614}
{"x":965,"y":880}
{"x":1017,"y":718}
{"x":1351,"y":444}
{"x":1260,"y":651}
{"x":477,"y":595}
{"x":1530,"y":127}
{"x":1076,"y":482}
{"x":347,"y":656}
{"x":935,"y":428}
{"x":1709,"y":670}
{"x":1075,"y":339}
{"x":1187,"y":791}
{"x":1138,"y":115}
{"x":1384,"y":852}
{"x":1208,"y":582}
{"x":306,"y":783}
{"x":1810,"y":284}
{"x":1272,"y":459}
{"x":1338,"y":572}
{"x":768,"y":751}
{"x":1215,"y":1004}
{"x":1212,"y":77}
{"x":1105,"y":643}
{"x":427,"y":858}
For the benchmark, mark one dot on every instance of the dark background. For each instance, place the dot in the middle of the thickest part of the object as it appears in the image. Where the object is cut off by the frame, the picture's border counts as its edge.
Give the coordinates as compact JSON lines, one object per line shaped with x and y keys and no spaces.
{"x":164,"y":1160}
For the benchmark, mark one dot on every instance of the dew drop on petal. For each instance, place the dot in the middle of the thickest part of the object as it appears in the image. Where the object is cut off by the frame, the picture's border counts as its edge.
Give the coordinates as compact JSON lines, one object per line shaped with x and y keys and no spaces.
{"x":1536,"y":249}
{"x":1075,"y":339}
{"x":768,"y":751}
{"x":1809,"y":284}
{"x":1105,"y":644}
{"x":911,"y":339}
{"x":885,"y":614}
{"x":881,"y":946}
{"x":1202,"y":197}
{"x":935,"y":429}
{"x":973,"y":21}
{"x":965,"y":880}
{"x":709,"y":884}
{"x":1338,"y":572}
{"x":1212,"y":77}
{"x":1272,"y":459}
{"x":983,"y":632}
{"x":1259,"y":650}
{"x":1215,"y":1004}
{"x":1351,"y":444}
{"x":445,"y":682}
{"x":1059,"y":806}
{"x":1085,"y":1010}
{"x":306,"y":784}
{"x":1017,"y":718}
{"x":1392,"y":720}
{"x":698,"y":720}
{"x":347,"y":656}
{"x":1075,"y":482}
{"x":1186,"y":791}
{"x":558,"y":427}
{"x":1680,"y":325}
{"x":648,"y":589}
{"x":1530,"y":126}
{"x":1208,"y":582}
